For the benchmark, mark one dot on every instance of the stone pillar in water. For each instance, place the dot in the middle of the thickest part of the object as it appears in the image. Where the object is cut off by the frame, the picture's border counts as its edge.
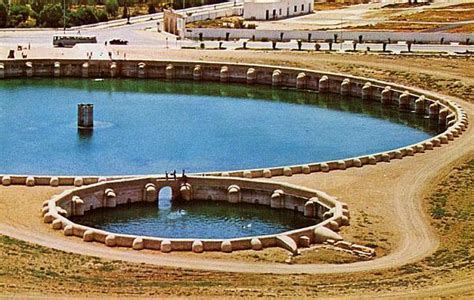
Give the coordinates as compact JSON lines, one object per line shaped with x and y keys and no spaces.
{"x":85,"y":116}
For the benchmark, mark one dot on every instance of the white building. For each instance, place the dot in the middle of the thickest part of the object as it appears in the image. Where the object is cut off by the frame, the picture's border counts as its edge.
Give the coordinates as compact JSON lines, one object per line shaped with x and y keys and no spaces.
{"x":276,"y":9}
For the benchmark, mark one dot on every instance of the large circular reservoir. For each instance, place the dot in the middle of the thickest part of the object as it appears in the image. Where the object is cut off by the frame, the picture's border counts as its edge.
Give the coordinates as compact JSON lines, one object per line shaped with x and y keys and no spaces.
{"x":150,"y":126}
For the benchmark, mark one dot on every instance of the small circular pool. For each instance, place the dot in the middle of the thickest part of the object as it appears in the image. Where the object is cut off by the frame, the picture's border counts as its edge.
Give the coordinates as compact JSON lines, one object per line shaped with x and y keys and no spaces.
{"x":150,"y":126}
{"x":195,"y":219}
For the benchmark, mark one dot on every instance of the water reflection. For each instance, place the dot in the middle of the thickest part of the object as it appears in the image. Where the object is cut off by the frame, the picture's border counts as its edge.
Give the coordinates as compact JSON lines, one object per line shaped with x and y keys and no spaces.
{"x":85,"y":134}
{"x":149,"y":126}
{"x":195,"y":219}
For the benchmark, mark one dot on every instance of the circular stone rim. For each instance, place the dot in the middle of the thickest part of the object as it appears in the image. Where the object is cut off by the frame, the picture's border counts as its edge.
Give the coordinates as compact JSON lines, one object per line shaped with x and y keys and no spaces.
{"x":57,"y":210}
{"x":232,"y":72}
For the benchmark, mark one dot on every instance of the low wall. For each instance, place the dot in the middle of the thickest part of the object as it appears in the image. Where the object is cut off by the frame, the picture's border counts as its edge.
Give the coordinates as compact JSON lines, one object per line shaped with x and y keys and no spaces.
{"x":311,"y":203}
{"x":448,"y":113}
{"x":212,"y":15}
{"x":320,"y":35}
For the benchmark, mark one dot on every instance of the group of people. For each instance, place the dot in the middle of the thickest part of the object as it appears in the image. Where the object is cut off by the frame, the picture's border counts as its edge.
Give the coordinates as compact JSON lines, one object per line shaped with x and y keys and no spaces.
{"x":11,"y":53}
{"x":183,"y":175}
{"x":89,"y":55}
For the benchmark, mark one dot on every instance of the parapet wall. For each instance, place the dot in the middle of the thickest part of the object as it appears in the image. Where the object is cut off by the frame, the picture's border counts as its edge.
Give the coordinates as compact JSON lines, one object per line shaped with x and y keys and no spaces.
{"x":325,"y":35}
{"x":311,"y":203}
{"x":448,"y":113}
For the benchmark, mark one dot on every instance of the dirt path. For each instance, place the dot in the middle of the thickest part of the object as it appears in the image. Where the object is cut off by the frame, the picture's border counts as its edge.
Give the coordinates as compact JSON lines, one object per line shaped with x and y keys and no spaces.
{"x":417,"y":240}
{"x":402,"y":193}
{"x":390,"y":192}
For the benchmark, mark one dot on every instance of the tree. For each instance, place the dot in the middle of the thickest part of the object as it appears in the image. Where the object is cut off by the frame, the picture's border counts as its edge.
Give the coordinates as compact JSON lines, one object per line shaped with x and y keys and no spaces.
{"x":51,"y":16}
{"x":112,"y":7}
{"x":18,"y":14}
{"x":3,"y":15}
{"x":151,"y":8}
{"x":37,"y":6}
{"x":102,"y":16}
{"x":86,"y":15}
{"x":125,"y":12}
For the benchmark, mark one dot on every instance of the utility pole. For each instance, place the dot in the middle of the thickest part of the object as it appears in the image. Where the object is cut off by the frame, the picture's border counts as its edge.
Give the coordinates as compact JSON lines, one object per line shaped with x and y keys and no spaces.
{"x":64,"y":17}
{"x":340,"y":48}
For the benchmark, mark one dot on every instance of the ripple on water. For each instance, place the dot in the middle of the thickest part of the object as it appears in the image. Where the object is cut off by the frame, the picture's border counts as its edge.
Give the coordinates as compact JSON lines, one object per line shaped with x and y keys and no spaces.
{"x":195,"y":219}
{"x":149,"y":127}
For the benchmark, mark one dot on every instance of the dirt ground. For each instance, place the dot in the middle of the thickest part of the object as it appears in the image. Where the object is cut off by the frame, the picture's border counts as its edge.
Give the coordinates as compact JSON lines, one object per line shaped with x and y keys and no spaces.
{"x":428,"y":19}
{"x":391,"y":206}
{"x":438,"y":15}
{"x":452,"y":75}
{"x":376,"y":16}
{"x":330,"y":5}
{"x":35,"y":270}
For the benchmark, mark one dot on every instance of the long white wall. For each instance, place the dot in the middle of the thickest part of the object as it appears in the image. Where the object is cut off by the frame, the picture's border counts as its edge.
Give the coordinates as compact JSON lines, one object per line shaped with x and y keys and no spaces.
{"x":427,"y":37}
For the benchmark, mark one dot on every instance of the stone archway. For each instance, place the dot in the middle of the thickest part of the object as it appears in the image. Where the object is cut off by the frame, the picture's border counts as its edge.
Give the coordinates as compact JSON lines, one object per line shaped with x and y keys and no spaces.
{"x":165,"y":197}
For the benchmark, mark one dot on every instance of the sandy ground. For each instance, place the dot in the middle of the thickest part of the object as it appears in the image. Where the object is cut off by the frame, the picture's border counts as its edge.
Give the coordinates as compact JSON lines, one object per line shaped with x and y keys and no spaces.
{"x":31,"y":270}
{"x":362,"y":15}
{"x":384,"y":200}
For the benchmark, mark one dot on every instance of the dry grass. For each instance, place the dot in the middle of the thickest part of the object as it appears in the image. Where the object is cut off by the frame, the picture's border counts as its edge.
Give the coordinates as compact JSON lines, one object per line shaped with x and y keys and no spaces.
{"x":28,"y":268}
{"x":451,"y":207}
{"x":226,"y":22}
{"x":278,"y":255}
{"x":437,"y":15}
{"x":393,"y":26}
{"x":409,"y":21}
{"x":463,"y":29}
{"x":330,"y":6}
{"x":460,"y":6}
{"x":423,"y":78}
{"x":405,"y":5}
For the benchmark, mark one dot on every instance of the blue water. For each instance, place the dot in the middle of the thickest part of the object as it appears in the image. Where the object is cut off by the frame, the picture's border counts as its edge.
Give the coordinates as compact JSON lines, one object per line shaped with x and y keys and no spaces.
{"x":195,"y":219}
{"x":149,"y":126}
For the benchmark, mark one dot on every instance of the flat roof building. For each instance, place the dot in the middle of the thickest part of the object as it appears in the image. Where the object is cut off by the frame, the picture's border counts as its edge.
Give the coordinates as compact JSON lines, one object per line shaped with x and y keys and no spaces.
{"x":276,"y":9}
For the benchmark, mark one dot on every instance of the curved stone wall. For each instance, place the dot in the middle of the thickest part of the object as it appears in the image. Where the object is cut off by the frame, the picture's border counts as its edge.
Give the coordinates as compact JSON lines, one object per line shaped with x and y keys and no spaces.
{"x":311,"y":203}
{"x":446,"y":112}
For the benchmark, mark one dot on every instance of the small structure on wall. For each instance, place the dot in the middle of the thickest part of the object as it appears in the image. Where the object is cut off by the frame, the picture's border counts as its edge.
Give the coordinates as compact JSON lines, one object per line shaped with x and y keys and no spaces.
{"x":174,"y":22}
{"x":276,"y":9}
{"x":85,"y":116}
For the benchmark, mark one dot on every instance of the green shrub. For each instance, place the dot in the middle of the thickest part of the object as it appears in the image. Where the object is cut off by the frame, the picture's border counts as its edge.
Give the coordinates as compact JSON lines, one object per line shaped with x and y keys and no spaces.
{"x":438,"y":212}
{"x":18,"y":14}
{"x":125,"y":12}
{"x":30,"y":23}
{"x":51,"y":16}
{"x":83,"y":16}
{"x":112,"y":7}
{"x":37,"y":6}
{"x":102,"y":16}
{"x":151,"y":8}
{"x":3,"y":15}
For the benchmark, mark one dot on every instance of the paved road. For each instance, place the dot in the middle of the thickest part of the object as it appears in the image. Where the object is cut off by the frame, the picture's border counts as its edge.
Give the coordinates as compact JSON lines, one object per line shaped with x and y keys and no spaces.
{"x":141,"y":31}
{"x":139,"y":35}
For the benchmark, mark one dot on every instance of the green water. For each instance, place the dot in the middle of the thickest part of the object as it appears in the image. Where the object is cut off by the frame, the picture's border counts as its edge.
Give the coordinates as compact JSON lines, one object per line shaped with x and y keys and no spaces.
{"x":195,"y":219}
